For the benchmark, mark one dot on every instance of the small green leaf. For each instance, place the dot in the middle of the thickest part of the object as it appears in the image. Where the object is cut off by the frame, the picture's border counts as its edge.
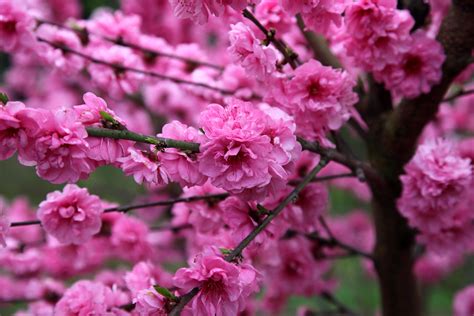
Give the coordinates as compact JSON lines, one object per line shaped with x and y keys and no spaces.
{"x":3,"y":98}
{"x":225,"y":251}
{"x":165,"y":292}
{"x":107,"y":117}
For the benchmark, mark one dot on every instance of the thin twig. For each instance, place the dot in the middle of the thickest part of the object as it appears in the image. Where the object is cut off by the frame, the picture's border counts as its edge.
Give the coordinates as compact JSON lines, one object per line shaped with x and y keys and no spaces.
{"x":326,"y":178}
{"x":459,"y":94}
{"x":121,"y":42}
{"x":135,"y":70}
{"x":237,"y":251}
{"x":128,"y":208}
{"x":341,"y":307}
{"x":290,"y":56}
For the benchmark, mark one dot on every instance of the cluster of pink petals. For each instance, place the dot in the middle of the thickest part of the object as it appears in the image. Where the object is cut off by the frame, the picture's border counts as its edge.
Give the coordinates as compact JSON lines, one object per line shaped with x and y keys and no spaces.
{"x":436,"y":183}
{"x":54,"y":143}
{"x":180,"y":166}
{"x":319,"y":15}
{"x":432,"y":267}
{"x":68,"y":63}
{"x":16,"y":26}
{"x":245,"y":150}
{"x":224,"y":286}
{"x":199,"y":10}
{"x":71,"y":216}
{"x":377,"y":36}
{"x":148,"y":302}
{"x":319,"y":97}
{"x":464,"y":302}
{"x":271,"y":14}
{"x":89,"y":298}
{"x":9,"y":128}
{"x":417,"y":70}
{"x":258,"y":60}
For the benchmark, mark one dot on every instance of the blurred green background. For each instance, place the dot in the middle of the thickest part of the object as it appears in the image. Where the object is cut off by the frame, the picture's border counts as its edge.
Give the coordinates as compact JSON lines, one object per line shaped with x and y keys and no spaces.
{"x":356,"y":289}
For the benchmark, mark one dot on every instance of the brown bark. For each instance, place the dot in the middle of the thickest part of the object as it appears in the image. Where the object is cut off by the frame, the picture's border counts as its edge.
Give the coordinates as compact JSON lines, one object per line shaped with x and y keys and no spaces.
{"x":392,"y":142}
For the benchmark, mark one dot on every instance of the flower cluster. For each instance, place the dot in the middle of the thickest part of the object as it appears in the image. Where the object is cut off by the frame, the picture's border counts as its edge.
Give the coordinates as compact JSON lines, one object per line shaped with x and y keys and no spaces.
{"x":435,"y":197}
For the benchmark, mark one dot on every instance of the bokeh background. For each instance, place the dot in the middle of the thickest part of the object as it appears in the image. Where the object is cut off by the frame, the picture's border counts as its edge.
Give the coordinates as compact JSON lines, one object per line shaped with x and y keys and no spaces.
{"x":356,"y":288}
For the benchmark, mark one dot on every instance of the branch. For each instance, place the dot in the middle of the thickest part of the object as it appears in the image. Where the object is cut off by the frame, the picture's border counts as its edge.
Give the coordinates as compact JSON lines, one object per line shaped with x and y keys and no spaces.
{"x":121,"y":42}
{"x":326,"y":178}
{"x":290,"y":56}
{"x":237,"y":251}
{"x":128,"y":208}
{"x":319,"y":45}
{"x":459,"y":94}
{"x":135,"y":70}
{"x":343,"y":309}
{"x":160,"y":142}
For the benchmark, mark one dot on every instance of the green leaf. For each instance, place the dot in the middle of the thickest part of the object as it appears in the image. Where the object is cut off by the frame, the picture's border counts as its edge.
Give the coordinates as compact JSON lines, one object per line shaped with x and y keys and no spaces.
{"x":3,"y":98}
{"x":165,"y":292}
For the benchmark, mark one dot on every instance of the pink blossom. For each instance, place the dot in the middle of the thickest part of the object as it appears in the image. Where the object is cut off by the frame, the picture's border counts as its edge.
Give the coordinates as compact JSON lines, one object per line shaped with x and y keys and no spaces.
{"x":321,"y":99}
{"x":247,"y":50}
{"x":4,"y":224}
{"x":418,"y":70}
{"x":236,"y":156}
{"x":148,"y":302}
{"x":84,"y":298}
{"x":376,"y":33}
{"x":464,"y":302}
{"x":144,"y":167}
{"x":71,"y":216}
{"x":436,"y":180}
{"x":145,"y":274}
{"x":224,"y":286}
{"x":116,"y":25}
{"x":102,"y":150}
{"x":9,"y":128}
{"x":68,"y":63}
{"x":270,"y":13}
{"x":199,"y":10}
{"x":55,"y":144}
{"x":129,"y":238}
{"x":118,"y":80}
{"x":181,"y":167}
{"x":205,"y":216}
{"x":20,"y":210}
{"x":432,"y":267}
{"x":16,"y":26}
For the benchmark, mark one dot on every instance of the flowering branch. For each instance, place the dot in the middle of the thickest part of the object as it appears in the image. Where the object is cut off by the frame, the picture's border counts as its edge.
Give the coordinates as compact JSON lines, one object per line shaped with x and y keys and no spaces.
{"x":122,"y":68}
{"x":290,"y":56}
{"x":121,"y":42}
{"x":128,"y":208}
{"x":237,"y":251}
{"x":160,"y":142}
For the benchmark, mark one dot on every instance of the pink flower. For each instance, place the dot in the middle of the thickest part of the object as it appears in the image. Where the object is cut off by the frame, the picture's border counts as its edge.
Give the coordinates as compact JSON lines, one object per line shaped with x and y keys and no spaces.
{"x":55,"y":144}
{"x":181,"y":167}
{"x":205,"y":216}
{"x":68,"y":63}
{"x":236,"y":156}
{"x":321,"y":99}
{"x":436,"y":180}
{"x":84,"y":298}
{"x":16,"y":26}
{"x":246,"y":49}
{"x":71,"y":216}
{"x":4,"y":224}
{"x":9,"y":128}
{"x":247,"y":151}
{"x":432,"y":267}
{"x":148,"y":302}
{"x":464,"y":302}
{"x":116,"y":25}
{"x":144,"y":167}
{"x":376,"y":33}
{"x":418,"y":70}
{"x":270,"y":13}
{"x":199,"y":10}
{"x":224,"y":286}
{"x":102,"y":150}
{"x":145,"y":274}
{"x":129,"y":238}
{"x":117,"y":81}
